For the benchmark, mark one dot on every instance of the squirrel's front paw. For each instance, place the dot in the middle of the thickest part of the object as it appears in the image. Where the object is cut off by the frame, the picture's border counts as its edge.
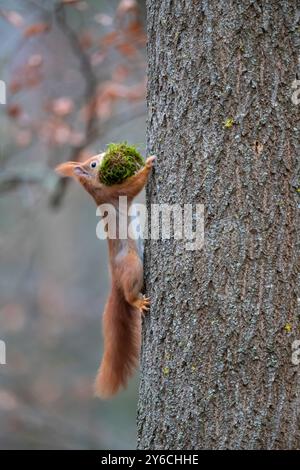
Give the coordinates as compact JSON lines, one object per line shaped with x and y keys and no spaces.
{"x":150,"y":160}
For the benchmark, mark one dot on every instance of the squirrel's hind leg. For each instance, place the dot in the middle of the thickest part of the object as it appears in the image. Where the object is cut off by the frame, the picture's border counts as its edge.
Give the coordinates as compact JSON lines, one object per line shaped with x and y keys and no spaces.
{"x":142,"y":304}
{"x":131,"y":281}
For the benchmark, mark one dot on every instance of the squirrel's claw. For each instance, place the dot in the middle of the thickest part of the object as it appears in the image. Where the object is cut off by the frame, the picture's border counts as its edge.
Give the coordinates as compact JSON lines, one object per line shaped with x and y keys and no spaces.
{"x":150,"y":160}
{"x":142,"y":304}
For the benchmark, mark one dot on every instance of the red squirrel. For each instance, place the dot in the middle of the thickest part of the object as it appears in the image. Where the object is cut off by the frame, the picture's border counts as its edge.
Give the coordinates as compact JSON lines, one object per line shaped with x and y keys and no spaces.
{"x":125,"y":304}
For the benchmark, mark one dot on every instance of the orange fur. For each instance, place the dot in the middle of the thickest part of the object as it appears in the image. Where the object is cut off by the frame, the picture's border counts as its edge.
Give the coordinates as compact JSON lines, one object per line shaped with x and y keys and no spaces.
{"x":122,"y":333}
{"x":122,"y":314}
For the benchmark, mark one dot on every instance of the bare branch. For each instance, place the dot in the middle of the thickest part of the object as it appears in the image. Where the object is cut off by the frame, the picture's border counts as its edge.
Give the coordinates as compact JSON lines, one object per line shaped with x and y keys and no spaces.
{"x":12,"y":179}
{"x":90,"y":91}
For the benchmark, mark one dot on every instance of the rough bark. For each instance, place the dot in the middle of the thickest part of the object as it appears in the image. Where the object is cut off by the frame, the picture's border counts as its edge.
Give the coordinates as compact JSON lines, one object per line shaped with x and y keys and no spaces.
{"x":216,"y":359}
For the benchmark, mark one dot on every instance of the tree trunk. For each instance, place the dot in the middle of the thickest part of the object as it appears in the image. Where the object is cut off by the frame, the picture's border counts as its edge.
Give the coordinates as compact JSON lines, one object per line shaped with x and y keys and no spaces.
{"x":217,"y":345}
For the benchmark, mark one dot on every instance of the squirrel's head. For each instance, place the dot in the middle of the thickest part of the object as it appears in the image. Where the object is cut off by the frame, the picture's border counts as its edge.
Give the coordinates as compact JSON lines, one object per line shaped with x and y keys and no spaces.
{"x":86,"y":173}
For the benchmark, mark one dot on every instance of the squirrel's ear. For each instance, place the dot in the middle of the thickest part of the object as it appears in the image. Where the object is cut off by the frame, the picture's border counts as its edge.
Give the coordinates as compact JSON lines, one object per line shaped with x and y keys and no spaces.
{"x":66,"y":169}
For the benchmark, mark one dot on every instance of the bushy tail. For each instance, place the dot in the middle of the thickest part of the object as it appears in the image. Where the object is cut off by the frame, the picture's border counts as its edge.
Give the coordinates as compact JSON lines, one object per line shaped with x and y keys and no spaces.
{"x":122,"y":337}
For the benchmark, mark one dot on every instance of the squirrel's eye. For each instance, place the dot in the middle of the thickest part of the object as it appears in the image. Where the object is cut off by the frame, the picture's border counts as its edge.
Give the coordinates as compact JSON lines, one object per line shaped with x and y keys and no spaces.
{"x":93,"y":164}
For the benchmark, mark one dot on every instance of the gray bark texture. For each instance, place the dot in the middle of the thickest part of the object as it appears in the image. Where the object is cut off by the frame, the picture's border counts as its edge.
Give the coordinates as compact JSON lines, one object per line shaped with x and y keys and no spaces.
{"x":216,"y":368}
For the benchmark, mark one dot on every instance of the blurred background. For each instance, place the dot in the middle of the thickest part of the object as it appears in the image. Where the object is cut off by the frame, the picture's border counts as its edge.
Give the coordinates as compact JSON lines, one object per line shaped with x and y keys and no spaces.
{"x":75,"y":76}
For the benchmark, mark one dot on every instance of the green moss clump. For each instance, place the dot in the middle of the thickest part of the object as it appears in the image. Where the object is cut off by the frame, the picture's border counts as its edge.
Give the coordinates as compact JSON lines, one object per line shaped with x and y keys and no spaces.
{"x":119,"y":162}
